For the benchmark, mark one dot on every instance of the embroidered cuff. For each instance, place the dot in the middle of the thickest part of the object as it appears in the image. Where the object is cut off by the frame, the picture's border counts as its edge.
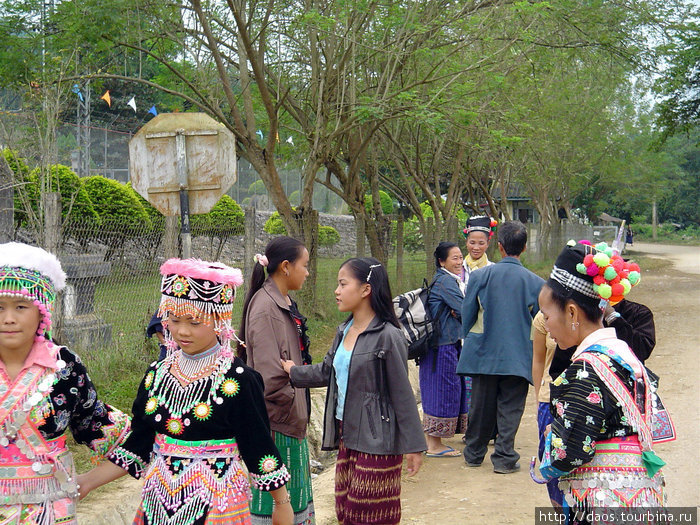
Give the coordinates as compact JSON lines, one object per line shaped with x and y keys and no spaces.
{"x":112,"y":435}
{"x":550,"y":472}
{"x":270,"y":480}
{"x":129,"y":461}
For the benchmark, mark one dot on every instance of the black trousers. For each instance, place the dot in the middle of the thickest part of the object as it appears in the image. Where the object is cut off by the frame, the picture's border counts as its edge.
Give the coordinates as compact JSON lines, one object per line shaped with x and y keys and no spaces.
{"x":495,"y":400}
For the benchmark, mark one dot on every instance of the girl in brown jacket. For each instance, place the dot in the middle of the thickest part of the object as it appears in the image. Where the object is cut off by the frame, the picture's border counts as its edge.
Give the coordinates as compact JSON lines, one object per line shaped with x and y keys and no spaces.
{"x":274,"y":330}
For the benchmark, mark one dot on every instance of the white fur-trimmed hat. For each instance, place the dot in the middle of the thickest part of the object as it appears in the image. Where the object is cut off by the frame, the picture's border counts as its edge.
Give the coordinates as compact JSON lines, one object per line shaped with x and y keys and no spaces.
{"x":19,"y":255}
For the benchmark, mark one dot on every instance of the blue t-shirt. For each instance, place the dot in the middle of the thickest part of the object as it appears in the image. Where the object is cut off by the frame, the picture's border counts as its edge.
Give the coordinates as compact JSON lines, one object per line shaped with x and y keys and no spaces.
{"x":341,"y":363}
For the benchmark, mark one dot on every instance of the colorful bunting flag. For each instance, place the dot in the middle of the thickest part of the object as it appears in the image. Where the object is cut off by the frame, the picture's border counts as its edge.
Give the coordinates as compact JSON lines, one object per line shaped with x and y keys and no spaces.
{"x":290,"y":140}
{"x":153,"y":110}
{"x":107,"y":98}
{"x":132,"y":103}
{"x":259,"y":132}
{"x":76,"y":90}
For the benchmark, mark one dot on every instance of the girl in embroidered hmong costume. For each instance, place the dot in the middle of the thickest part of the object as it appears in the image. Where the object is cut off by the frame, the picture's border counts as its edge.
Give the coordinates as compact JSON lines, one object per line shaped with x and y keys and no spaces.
{"x":198,"y":412}
{"x":274,"y":329}
{"x":44,"y":390}
{"x":478,"y":232}
{"x":371,"y":415}
{"x":606,"y":412}
{"x":444,"y":394}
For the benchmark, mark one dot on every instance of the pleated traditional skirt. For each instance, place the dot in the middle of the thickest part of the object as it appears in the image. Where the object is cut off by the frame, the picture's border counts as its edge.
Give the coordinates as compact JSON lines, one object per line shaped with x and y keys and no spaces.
{"x":367,"y":488}
{"x":295,"y":455}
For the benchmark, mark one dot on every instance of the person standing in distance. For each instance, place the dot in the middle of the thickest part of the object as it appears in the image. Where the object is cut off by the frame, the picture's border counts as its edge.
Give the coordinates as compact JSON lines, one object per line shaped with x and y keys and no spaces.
{"x":497,"y":313}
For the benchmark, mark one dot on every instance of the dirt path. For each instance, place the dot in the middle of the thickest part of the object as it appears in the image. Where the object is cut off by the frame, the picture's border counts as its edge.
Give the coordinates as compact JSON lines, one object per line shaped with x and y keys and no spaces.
{"x":684,"y":258}
{"x":446,"y":492}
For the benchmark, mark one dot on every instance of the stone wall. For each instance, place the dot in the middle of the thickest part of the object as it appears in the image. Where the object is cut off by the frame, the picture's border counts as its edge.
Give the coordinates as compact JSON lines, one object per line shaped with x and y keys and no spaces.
{"x":233,"y":251}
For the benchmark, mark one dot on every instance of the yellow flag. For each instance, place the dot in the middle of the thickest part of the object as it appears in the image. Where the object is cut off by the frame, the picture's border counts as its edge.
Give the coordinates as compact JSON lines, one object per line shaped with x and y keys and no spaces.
{"x":107,"y":98}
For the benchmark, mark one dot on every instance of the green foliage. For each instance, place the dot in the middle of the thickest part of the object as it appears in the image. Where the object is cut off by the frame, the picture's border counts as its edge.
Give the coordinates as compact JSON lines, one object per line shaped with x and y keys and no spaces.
{"x":20,"y":172}
{"x":274,"y":225}
{"x":154,"y":215}
{"x":679,"y":86}
{"x":76,"y":204}
{"x":328,"y":236}
{"x":115,"y":202}
{"x":387,"y":203}
{"x":295,"y":198}
{"x":257,"y":188}
{"x":225,"y":216}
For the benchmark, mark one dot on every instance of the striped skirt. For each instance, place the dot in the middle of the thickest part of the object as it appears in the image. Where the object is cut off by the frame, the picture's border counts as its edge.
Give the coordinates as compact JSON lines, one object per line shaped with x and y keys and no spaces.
{"x":444,"y":395}
{"x":367,"y":488}
{"x":295,"y":455}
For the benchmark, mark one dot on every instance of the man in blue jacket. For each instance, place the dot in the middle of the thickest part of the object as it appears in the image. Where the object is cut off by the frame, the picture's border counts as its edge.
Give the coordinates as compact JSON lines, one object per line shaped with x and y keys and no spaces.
{"x":497,"y":313}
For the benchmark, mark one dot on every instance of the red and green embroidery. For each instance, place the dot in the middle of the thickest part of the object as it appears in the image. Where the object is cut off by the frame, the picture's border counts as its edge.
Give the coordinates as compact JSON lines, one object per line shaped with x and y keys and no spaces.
{"x":230,"y":387}
{"x":202,"y":411}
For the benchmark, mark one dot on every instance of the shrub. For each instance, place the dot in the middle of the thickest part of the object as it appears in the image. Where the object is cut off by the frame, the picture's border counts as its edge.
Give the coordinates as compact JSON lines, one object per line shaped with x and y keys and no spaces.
{"x":257,"y":188}
{"x":328,"y":236}
{"x":153,"y":213}
{"x":385,"y":200}
{"x":76,"y":204}
{"x":115,"y":202}
{"x":225,"y":220}
{"x":274,"y":225}
{"x":225,"y":216}
{"x":23,"y":188}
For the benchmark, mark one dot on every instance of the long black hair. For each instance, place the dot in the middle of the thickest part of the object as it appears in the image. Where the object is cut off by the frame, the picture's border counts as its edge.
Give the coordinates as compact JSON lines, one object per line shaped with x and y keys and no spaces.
{"x":442,"y":251}
{"x":370,"y":270}
{"x":277,"y":251}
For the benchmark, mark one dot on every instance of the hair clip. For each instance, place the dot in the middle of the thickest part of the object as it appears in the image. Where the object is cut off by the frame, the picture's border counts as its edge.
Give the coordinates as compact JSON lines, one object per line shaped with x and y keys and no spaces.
{"x":261,"y":260}
{"x":371,"y":267}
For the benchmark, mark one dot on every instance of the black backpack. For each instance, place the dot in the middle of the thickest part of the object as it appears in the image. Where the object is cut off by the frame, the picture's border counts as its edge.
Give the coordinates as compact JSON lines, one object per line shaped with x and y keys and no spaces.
{"x":416,"y":321}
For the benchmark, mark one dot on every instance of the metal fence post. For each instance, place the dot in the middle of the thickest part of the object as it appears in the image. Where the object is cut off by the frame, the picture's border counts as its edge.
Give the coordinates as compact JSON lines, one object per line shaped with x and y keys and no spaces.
{"x":7,"y":203}
{"x":249,"y":242}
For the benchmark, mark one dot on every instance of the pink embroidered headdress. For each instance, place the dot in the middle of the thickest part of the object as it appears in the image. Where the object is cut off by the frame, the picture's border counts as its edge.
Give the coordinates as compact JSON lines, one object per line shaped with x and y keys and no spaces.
{"x":205,"y":290}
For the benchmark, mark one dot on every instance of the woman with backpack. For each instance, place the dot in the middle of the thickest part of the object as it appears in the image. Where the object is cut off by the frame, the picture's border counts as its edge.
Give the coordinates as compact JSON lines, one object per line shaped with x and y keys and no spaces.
{"x":371,"y":415}
{"x":273,"y":329}
{"x":444,"y":394}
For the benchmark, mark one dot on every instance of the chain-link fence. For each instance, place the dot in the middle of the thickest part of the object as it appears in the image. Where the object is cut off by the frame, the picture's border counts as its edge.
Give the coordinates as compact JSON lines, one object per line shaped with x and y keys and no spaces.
{"x":113,"y":277}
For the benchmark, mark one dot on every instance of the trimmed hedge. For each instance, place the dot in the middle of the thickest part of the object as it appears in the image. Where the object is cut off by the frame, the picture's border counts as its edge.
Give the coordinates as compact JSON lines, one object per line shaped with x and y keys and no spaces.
{"x":115,"y":202}
{"x":76,"y":204}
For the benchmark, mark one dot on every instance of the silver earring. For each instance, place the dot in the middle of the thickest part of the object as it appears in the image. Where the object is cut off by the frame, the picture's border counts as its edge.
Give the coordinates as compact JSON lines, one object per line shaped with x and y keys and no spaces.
{"x":573,"y":326}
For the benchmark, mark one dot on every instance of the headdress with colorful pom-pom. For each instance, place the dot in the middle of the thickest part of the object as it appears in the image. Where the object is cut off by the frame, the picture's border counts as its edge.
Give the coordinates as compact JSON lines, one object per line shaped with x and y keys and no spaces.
{"x":480,"y":223}
{"x":592,"y":274}
{"x":613,"y":277}
{"x":34,"y":274}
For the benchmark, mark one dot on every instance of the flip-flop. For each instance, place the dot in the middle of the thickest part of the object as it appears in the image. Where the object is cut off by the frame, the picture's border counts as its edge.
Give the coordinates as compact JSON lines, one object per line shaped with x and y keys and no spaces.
{"x":447,"y":453}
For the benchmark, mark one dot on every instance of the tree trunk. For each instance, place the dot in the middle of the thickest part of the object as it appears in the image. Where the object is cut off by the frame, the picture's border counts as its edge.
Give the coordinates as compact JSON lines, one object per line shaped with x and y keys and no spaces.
{"x":307,"y":220}
{"x":52,"y":221}
{"x":654,"y":220}
{"x":399,"y":254}
{"x":360,"y":236}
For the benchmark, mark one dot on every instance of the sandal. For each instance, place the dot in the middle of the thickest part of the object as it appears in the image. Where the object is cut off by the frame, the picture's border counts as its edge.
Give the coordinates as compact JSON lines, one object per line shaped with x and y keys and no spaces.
{"x":449,"y":452}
